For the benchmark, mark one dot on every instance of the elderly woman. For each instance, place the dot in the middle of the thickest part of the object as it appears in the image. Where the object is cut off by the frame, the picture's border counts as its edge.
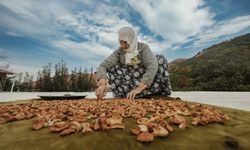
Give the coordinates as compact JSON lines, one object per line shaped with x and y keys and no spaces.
{"x":133,"y":70}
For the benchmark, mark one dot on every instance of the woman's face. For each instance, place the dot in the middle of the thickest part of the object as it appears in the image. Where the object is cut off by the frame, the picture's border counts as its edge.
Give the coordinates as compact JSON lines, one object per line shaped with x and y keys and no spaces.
{"x":124,"y":44}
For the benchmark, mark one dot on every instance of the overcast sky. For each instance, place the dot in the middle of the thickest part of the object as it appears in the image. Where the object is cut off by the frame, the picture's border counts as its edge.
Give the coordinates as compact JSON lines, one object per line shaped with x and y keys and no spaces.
{"x":84,"y":32}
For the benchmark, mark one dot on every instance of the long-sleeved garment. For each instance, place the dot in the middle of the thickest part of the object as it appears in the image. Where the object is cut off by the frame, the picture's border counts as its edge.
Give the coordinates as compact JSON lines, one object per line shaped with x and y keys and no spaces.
{"x":145,"y":56}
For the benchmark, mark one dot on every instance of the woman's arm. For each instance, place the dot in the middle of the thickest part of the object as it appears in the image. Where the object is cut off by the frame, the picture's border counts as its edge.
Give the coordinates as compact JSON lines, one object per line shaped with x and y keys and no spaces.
{"x":140,"y":87}
{"x":102,"y":89}
{"x":107,"y":64}
{"x":150,"y":62}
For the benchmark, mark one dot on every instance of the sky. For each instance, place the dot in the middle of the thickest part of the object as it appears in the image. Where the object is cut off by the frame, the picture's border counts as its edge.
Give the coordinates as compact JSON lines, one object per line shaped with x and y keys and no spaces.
{"x":84,"y":32}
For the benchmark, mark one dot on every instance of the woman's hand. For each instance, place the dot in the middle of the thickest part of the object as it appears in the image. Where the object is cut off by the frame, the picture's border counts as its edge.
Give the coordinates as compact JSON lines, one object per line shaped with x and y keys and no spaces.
{"x":102,"y":89}
{"x":141,"y":86}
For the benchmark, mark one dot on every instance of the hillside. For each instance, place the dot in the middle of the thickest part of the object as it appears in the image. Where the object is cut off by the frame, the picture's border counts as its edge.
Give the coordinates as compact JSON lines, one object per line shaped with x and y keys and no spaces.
{"x":221,"y":67}
{"x":177,"y":61}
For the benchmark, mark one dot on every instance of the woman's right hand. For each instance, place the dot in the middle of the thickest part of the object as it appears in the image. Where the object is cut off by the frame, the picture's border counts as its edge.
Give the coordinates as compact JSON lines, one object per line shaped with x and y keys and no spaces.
{"x":102,"y":89}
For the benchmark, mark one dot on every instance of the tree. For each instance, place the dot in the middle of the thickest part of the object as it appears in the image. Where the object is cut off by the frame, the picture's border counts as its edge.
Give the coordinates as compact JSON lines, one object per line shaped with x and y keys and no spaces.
{"x":46,"y":83}
{"x":38,"y":84}
{"x":27,"y":84}
{"x":77,"y":81}
{"x":73,"y":81}
{"x":60,"y":80}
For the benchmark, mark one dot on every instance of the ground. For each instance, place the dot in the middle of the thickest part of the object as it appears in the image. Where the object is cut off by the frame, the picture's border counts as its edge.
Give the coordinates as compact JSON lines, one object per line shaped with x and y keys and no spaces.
{"x":19,"y":135}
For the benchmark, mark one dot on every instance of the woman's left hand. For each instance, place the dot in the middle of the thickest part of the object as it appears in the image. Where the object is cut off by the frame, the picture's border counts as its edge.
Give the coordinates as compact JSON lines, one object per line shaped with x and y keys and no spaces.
{"x":141,"y":86}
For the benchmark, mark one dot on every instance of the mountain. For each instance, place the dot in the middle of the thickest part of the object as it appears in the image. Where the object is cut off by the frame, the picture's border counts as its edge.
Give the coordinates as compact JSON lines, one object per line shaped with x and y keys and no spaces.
{"x":177,"y":61}
{"x":221,"y":67}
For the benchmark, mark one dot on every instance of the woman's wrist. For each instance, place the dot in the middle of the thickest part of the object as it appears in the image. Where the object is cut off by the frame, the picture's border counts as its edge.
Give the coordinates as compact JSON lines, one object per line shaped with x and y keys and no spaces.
{"x":102,"y":82}
{"x":141,"y":86}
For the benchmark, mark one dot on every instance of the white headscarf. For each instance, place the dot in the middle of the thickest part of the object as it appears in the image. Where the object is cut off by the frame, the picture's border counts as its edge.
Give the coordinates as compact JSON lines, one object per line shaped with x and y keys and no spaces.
{"x":128,"y":34}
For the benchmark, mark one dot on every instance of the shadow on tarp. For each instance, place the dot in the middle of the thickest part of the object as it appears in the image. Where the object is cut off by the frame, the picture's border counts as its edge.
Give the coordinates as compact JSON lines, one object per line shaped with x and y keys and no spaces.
{"x":62,"y":97}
